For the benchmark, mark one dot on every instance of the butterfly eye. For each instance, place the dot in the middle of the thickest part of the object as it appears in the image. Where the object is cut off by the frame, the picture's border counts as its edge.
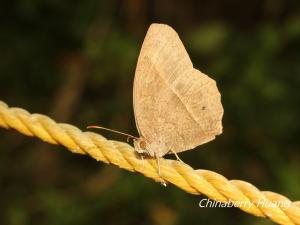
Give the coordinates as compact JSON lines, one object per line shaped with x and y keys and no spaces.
{"x":143,"y":144}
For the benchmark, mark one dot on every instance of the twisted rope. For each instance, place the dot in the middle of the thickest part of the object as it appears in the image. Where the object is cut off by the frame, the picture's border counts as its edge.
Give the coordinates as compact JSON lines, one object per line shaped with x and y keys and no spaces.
{"x":209,"y":183}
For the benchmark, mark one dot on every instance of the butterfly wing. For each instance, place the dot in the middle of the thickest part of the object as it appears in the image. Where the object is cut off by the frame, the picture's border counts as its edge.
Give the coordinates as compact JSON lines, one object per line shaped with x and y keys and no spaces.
{"x":176,"y":106}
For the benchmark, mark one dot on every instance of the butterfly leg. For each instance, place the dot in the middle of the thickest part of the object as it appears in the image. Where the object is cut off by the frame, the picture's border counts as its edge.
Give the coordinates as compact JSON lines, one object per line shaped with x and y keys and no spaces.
{"x":158,"y":166}
{"x":176,"y":155}
{"x":143,"y":162}
{"x":158,"y":171}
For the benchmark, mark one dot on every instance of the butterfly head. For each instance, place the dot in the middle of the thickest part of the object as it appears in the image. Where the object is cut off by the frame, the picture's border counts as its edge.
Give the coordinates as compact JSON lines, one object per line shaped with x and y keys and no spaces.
{"x":142,"y":147}
{"x":152,"y":149}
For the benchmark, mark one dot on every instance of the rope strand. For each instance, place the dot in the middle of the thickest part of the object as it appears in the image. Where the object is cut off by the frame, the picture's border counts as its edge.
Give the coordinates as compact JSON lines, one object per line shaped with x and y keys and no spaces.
{"x":121,"y":154}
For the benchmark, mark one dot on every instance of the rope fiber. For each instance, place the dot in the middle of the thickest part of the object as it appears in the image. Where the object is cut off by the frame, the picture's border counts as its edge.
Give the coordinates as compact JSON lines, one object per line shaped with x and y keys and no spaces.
{"x":208,"y":183}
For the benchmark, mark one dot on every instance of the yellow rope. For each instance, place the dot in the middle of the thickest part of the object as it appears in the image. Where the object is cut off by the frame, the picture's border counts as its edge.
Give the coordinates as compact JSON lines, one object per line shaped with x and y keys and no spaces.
{"x":209,"y":183}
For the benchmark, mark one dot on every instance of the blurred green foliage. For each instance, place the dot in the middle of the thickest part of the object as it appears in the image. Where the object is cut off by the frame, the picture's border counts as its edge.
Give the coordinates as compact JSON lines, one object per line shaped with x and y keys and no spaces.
{"x":75,"y":61}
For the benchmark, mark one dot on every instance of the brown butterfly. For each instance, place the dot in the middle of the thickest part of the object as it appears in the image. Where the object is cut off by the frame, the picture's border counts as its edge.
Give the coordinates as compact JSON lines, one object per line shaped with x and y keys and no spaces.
{"x":176,"y":106}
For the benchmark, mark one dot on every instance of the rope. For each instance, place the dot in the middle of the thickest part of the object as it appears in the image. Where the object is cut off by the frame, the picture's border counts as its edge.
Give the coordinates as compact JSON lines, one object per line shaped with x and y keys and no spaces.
{"x":211,"y":184}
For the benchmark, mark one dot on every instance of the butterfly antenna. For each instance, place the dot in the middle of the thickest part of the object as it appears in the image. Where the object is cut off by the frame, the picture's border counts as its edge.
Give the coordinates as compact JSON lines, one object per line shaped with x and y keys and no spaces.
{"x":118,"y":132}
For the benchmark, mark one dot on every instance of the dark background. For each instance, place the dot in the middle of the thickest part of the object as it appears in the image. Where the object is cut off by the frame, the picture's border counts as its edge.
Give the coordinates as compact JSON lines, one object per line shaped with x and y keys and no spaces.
{"x":75,"y":61}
